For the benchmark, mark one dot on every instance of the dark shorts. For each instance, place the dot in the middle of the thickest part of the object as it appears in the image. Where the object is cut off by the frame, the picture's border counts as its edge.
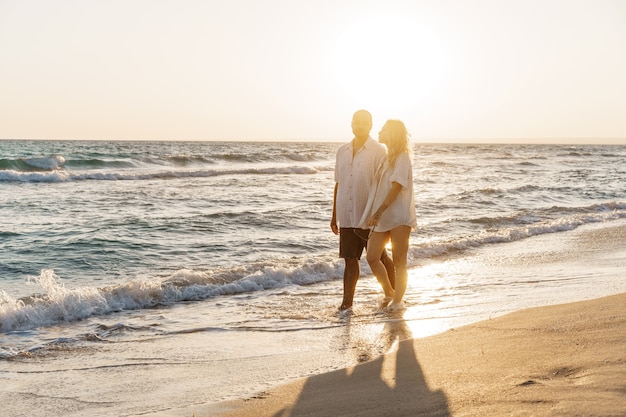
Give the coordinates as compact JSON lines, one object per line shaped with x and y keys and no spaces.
{"x":352,"y":242}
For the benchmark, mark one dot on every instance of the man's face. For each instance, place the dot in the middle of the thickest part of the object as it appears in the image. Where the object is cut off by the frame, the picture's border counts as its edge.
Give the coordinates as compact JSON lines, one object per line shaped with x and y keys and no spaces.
{"x":361,"y":125}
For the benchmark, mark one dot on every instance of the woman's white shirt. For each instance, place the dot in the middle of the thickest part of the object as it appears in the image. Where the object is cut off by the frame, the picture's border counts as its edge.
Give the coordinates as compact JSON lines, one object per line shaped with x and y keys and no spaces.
{"x":401,"y":212}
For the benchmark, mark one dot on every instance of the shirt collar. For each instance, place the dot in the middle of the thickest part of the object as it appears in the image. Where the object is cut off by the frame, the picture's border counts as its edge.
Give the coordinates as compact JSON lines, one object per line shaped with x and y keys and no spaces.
{"x":366,"y":144}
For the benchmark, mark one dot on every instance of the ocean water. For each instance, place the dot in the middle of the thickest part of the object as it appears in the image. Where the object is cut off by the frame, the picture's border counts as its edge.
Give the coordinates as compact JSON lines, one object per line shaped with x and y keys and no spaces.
{"x":179,"y":253}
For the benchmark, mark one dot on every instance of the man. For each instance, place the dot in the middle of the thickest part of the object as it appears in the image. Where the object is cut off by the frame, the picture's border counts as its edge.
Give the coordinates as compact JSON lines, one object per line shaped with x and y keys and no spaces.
{"x":355,"y":169}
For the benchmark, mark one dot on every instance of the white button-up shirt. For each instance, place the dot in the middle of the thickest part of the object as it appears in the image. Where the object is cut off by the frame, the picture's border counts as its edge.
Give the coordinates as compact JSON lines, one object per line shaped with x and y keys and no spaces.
{"x":356,"y":179}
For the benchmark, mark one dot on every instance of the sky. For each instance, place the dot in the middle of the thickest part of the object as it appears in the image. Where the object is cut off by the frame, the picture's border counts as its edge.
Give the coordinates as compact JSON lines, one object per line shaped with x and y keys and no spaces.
{"x":294,"y":70}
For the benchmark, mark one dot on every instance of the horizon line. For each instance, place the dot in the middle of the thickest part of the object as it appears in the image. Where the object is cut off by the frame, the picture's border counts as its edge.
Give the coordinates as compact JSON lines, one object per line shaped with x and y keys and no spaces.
{"x":425,"y":141}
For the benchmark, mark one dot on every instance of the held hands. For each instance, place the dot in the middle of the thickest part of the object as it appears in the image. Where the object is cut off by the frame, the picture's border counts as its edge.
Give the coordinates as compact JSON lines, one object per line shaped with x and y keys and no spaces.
{"x":373,"y":221}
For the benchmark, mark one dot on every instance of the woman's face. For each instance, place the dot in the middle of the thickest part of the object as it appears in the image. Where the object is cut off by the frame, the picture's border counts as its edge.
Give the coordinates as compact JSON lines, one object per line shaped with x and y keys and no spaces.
{"x":383,"y":135}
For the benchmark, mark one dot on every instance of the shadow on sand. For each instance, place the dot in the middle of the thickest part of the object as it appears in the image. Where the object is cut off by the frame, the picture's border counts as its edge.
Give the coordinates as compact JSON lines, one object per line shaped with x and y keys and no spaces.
{"x":373,"y":388}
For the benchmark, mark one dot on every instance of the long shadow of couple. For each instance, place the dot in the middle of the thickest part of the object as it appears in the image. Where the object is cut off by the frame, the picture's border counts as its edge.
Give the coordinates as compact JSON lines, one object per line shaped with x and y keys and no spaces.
{"x":377,"y":388}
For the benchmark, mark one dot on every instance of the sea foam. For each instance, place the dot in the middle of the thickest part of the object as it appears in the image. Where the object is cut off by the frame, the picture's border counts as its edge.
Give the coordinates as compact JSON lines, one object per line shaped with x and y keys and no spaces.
{"x":58,"y":304}
{"x":122,"y":175}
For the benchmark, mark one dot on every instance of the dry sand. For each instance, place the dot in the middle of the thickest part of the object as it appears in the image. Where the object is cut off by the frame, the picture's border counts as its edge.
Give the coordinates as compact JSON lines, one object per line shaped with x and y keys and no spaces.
{"x":564,"y":360}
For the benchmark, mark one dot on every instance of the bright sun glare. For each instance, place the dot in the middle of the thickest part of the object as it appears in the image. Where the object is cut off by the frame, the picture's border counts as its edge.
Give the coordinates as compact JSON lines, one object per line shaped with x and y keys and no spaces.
{"x":387,"y":62}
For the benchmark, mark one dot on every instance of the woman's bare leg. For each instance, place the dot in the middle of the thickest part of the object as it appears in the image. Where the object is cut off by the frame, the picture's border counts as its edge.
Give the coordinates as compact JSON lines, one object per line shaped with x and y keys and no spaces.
{"x":400,"y":248}
{"x":375,"y":246}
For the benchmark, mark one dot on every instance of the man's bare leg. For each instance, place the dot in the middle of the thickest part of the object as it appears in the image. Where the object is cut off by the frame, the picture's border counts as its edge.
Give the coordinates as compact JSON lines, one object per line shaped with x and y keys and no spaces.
{"x":350,"y":277}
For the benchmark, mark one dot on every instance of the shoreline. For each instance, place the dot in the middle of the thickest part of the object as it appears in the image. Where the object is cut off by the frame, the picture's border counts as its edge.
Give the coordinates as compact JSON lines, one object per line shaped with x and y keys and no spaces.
{"x":560,"y":360}
{"x":369,"y":365}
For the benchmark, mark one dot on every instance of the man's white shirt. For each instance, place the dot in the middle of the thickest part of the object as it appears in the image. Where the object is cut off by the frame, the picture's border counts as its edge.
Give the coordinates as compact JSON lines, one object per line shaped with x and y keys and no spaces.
{"x":356,"y":179}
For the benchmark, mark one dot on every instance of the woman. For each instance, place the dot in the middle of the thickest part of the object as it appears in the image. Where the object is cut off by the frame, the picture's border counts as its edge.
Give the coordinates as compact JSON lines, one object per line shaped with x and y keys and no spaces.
{"x":394,"y":216}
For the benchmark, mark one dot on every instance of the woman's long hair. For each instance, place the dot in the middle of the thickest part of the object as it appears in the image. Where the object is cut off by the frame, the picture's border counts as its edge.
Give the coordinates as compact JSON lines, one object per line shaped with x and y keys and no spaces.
{"x":398,"y":140}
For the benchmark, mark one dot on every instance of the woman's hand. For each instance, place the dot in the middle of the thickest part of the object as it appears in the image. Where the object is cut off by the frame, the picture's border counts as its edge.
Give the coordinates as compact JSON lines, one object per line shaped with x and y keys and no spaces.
{"x":373,"y":221}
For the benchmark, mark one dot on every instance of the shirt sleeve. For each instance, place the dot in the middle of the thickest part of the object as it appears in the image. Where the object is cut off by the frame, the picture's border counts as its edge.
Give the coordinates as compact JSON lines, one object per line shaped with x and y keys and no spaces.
{"x":402,"y":171}
{"x":339,"y":166}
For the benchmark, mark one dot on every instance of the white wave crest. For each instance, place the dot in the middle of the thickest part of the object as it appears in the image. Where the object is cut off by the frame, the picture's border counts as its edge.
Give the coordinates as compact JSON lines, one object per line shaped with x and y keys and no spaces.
{"x":66,"y":176}
{"x":17,"y":176}
{"x":49,"y":163}
{"x":60,"y":305}
{"x":602,"y":213}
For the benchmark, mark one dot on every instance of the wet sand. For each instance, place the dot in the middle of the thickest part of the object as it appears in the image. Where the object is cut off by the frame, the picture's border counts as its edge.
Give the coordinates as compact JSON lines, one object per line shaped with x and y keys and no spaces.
{"x":563,"y":360}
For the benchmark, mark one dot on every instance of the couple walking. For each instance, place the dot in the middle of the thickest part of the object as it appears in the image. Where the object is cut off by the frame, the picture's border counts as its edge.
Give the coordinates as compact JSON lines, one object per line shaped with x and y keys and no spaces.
{"x":373,"y":204}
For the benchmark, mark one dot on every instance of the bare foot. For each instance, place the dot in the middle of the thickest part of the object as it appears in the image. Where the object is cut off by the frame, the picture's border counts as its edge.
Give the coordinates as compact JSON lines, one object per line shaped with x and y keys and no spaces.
{"x":385,"y":302}
{"x":394,"y":307}
{"x":344,"y":307}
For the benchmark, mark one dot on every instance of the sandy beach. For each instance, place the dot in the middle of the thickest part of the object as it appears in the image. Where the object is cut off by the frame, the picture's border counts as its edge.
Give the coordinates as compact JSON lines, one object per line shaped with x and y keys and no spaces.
{"x":563,"y":360}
